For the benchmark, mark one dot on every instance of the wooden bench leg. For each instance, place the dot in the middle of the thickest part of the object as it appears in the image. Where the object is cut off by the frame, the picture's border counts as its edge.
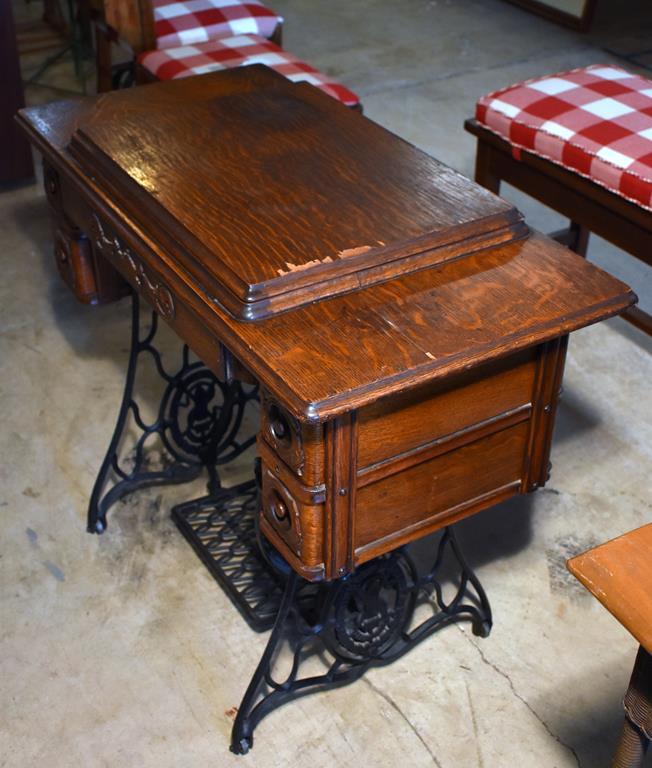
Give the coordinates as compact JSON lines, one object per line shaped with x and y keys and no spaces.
{"x":103,"y":60}
{"x":575,"y":237}
{"x":484,"y":173}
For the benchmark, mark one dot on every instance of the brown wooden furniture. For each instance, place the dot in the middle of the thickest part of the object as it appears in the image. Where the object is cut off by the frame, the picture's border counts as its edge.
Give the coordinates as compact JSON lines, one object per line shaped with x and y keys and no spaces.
{"x":619,"y":575}
{"x":449,"y":299}
{"x":407,"y":331}
{"x":589,"y":206}
{"x":129,"y":24}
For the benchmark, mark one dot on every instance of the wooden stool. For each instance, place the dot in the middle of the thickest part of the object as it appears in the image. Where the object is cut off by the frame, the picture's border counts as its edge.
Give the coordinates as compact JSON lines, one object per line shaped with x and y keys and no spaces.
{"x":619,"y":575}
{"x":581,"y":143}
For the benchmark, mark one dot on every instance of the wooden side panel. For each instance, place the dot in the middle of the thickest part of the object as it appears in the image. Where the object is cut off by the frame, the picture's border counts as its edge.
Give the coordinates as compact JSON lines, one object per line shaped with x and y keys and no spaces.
{"x":417,"y":417}
{"x":341,"y":447}
{"x":434,"y":493}
{"x":550,"y":372}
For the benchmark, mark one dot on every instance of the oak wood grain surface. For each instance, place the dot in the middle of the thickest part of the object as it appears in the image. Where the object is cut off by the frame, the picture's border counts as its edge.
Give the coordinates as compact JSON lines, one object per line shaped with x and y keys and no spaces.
{"x":323,"y":359}
{"x":619,"y":574}
{"x":275,"y":192}
{"x":405,"y":385}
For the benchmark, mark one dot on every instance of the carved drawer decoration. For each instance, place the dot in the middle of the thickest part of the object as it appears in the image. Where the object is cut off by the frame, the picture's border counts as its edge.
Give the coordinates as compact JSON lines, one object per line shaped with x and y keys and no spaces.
{"x":283,"y":433}
{"x":152,"y":290}
{"x":281,"y":511}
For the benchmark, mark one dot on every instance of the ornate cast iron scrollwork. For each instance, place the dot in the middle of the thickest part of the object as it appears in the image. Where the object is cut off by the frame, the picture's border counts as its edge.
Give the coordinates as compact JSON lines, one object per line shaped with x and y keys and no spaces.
{"x":197,"y":426}
{"x":366,"y":618}
{"x":370,"y":617}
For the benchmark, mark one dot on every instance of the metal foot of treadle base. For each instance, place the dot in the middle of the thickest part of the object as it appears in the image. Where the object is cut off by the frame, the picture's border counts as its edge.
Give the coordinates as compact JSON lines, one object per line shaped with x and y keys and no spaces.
{"x":369,"y":618}
{"x":196,"y":427}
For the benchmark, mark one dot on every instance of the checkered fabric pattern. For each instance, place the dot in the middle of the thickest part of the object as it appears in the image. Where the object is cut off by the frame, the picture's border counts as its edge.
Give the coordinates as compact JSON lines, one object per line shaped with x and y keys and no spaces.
{"x":240,"y":51}
{"x":197,"y":21}
{"x":595,"y":121}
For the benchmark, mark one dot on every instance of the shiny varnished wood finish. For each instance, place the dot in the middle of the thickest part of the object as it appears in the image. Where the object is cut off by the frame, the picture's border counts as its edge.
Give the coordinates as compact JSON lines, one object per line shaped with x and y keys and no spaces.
{"x":589,"y":206}
{"x":333,"y":202}
{"x":421,"y":391}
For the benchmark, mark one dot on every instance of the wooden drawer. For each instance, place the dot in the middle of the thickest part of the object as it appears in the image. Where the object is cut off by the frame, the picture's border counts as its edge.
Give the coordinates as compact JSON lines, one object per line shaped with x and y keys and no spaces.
{"x":408,"y":465}
{"x":415,"y":419}
{"x":299,"y":446}
{"x":446,"y":487}
{"x":72,"y":252}
{"x":91,"y":278}
{"x":292,"y":515}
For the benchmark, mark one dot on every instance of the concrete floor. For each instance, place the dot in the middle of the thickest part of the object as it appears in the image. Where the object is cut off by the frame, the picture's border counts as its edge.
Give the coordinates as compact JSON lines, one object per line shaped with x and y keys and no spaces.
{"x":121,"y":651}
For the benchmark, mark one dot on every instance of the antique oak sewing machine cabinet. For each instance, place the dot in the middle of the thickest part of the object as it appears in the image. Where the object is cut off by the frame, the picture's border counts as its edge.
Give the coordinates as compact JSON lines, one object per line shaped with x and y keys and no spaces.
{"x":405,"y":330}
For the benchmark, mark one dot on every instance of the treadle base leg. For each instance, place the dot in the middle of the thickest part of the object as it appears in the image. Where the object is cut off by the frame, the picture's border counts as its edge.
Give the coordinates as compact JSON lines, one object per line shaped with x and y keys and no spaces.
{"x":368,"y":618}
{"x":197,"y":426}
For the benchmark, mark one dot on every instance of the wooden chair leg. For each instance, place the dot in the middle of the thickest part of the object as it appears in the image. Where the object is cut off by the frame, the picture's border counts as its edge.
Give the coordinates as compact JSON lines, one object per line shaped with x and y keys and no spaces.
{"x":575,"y":237}
{"x":103,"y":60}
{"x":484,"y":173}
{"x":277,"y":35}
{"x":579,"y":238}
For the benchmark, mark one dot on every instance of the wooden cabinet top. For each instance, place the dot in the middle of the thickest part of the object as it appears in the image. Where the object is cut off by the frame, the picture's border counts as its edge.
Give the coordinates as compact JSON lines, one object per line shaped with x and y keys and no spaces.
{"x":338,"y":262}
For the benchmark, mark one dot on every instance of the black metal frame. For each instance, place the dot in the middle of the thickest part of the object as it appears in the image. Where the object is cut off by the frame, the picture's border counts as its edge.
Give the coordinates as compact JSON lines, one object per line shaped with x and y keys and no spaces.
{"x":367,"y":618}
{"x":364,"y":619}
{"x":197,"y":427}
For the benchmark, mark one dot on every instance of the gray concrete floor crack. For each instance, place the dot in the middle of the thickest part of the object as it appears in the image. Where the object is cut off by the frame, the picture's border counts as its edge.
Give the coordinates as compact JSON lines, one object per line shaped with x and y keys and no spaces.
{"x":396,"y":708}
{"x":529,"y":707}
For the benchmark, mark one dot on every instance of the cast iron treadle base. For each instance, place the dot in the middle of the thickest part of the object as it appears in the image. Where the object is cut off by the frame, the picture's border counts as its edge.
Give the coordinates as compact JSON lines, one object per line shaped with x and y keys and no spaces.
{"x":368,"y":618}
{"x":221,"y":528}
{"x":196,"y":427}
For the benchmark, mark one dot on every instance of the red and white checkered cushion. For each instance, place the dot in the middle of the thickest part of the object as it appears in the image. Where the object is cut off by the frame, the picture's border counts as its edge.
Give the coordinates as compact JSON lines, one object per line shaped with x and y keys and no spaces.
{"x":240,"y":51}
{"x":595,"y":121}
{"x":196,"y":21}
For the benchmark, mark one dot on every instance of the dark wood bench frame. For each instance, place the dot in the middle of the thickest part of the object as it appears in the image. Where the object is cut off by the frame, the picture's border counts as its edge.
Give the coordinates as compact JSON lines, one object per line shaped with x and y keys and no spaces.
{"x":128,"y":24}
{"x":589,"y":206}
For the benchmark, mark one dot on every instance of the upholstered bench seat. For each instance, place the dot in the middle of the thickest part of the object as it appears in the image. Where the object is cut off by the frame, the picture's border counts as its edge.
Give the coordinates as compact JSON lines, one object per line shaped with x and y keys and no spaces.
{"x":595,"y":121}
{"x":239,"y":51}
{"x":197,"y":21}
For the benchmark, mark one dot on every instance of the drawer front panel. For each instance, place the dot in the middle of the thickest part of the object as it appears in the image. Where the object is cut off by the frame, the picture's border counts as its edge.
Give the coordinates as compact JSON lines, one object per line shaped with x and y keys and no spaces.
{"x":72,"y":252}
{"x":423,"y":415}
{"x":292,"y":515}
{"x":425,"y":495}
{"x":299,"y":446}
